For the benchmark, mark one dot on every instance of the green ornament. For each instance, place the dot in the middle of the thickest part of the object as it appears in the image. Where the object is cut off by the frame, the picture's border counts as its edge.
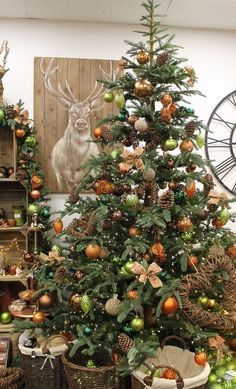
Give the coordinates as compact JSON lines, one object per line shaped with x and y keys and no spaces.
{"x":51,"y":275}
{"x":137,"y":324}
{"x":33,"y":208}
{"x":124,"y":274}
{"x":132,"y":200}
{"x":120,"y":100}
{"x":86,"y":303}
{"x":220,"y":371}
{"x":127,"y":329}
{"x":90,"y":364}
{"x":121,"y":117}
{"x":212,"y":378}
{"x":87,"y":331}
{"x":224,"y":215}
{"x":56,"y":249}
{"x":115,"y":154}
{"x":128,"y":266}
{"x":5,"y":317}
{"x":203,"y":301}
{"x":45,"y":213}
{"x":215,"y":386}
{"x":30,"y":141}
{"x":117,"y":261}
{"x":2,"y":115}
{"x":200,"y":140}
{"x":108,"y":97}
{"x":179,"y":196}
{"x":187,"y":236}
{"x":170,"y":144}
{"x":190,"y":111}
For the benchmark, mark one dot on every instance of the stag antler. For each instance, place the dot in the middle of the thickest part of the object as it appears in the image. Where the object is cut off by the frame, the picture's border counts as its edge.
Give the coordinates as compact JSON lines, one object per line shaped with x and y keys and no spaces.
{"x":3,"y":50}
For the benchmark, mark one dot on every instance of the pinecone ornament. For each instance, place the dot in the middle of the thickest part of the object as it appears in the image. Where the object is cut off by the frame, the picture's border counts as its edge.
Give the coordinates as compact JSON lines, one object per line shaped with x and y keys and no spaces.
{"x":208,"y":183}
{"x":61,"y":274}
{"x":107,"y":134}
{"x":10,"y":112}
{"x":162,"y":58}
{"x":125,"y":343}
{"x":166,"y":200}
{"x":190,"y":128}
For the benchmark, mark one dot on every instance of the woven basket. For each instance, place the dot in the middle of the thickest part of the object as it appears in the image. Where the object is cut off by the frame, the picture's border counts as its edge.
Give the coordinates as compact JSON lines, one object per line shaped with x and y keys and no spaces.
{"x":80,"y":377}
{"x":11,"y":378}
{"x":42,"y":370}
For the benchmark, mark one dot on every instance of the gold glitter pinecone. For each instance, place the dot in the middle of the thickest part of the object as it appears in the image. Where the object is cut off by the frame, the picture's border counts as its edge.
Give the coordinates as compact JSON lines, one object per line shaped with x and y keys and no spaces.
{"x":166,"y":200}
{"x":125,"y":343}
{"x":162,"y":58}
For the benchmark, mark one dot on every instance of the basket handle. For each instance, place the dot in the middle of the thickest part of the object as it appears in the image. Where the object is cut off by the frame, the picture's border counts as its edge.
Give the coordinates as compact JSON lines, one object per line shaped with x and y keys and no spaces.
{"x":148,"y":380}
{"x":45,"y":349}
{"x":173,"y":337}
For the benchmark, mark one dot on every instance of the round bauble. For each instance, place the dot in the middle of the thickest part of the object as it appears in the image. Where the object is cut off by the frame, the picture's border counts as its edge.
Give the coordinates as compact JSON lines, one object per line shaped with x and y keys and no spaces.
{"x":2,"y":115}
{"x":143,"y":88}
{"x":142,"y":57}
{"x":58,"y":226}
{"x":170,"y":144}
{"x":78,"y":275}
{"x":231,"y":251}
{"x":172,"y":185}
{"x":5,"y":317}
{"x":193,"y":261}
{"x":46,"y":301}
{"x":45,"y":213}
{"x":124,"y":274}
{"x":30,"y":141}
{"x":202,"y":214}
{"x":36,"y":182}
{"x":132,"y":200}
{"x":190,"y":111}
{"x":203,"y":301}
{"x":166,"y":100}
{"x":216,"y":222}
{"x":112,"y":306}
{"x":98,"y":132}
{"x":122,"y":168}
{"x":186,"y":145}
{"x":106,"y":224}
{"x":211,"y":303}
{"x":87,"y":331}
{"x":28,"y":257}
{"x":115,"y":154}
{"x":127,"y":142}
{"x":75,"y":301}
{"x":128,"y":267}
{"x":116,"y":215}
{"x":158,"y":250}
{"x":93,"y":250}
{"x":200,"y":358}
{"x":108,"y":97}
{"x":120,"y":100}
{"x":117,"y":261}
{"x":38,"y":317}
{"x":149,"y":174}
{"x":191,"y":168}
{"x":10,"y":170}
{"x":33,"y":208}
{"x":20,"y":132}
{"x":141,"y":125}
{"x":127,"y":329}
{"x":134,"y":231}
{"x":179,"y":196}
{"x":170,"y":305}
{"x":212,"y":378}
{"x":35,"y":194}
{"x":137,"y":324}
{"x":184,"y":224}
{"x":132,"y":119}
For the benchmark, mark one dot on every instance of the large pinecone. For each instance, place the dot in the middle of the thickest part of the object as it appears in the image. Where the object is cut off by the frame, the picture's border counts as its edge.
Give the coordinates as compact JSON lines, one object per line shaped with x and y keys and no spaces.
{"x":190,"y":127}
{"x":162,"y":58}
{"x":166,"y":200}
{"x":61,"y":274}
{"x":10,"y":112}
{"x":125,"y":343}
{"x":208,"y":183}
{"x":107,"y":134}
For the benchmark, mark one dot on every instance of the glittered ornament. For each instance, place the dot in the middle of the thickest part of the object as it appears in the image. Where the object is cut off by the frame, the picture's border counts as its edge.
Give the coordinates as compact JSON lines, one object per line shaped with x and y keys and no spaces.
{"x":200,"y":358}
{"x":38,"y":317}
{"x":120,"y":100}
{"x":58,"y":226}
{"x":190,"y":189}
{"x":103,"y":187}
{"x":187,"y":236}
{"x":112,"y":306}
{"x":149,"y":174}
{"x":166,"y":100}
{"x":158,"y":250}
{"x":141,"y":125}
{"x":224,"y":216}
{"x":142,"y":57}
{"x":184,"y":224}
{"x":170,"y":144}
{"x":170,"y":305}
{"x":137,"y":324}
{"x":75,"y":301}
{"x":86,"y":303}
{"x":132,"y":200}
{"x":127,"y":329}
{"x":165,"y":115}
{"x":116,"y":215}
{"x":143,"y":88}
{"x":186,"y":145}
{"x":93,"y":251}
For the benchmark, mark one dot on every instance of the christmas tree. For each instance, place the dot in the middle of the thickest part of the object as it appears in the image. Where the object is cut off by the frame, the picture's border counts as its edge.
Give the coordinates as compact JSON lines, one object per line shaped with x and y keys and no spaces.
{"x":148,"y":256}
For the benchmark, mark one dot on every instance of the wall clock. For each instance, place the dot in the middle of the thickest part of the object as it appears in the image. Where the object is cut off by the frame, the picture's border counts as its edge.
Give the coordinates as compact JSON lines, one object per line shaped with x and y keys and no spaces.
{"x":221,"y":142}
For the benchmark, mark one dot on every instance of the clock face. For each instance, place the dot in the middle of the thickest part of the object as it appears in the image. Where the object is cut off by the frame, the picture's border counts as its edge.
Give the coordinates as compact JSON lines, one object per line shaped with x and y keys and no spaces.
{"x":221,"y":142}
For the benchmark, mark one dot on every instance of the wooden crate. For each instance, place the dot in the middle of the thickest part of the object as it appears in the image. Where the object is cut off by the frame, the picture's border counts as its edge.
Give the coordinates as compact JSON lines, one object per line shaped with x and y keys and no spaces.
{"x":8,"y":148}
{"x":13,"y":194}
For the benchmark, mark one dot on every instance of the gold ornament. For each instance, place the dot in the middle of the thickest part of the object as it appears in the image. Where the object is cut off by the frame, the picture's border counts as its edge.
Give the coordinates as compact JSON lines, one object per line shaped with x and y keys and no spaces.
{"x":184,"y":224}
{"x":141,"y":125}
{"x":112,"y":306}
{"x":143,"y":88}
{"x":142,"y":57}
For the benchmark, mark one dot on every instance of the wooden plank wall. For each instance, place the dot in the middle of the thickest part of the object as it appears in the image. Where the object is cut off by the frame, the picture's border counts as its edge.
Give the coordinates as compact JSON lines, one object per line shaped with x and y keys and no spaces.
{"x":6,"y":147}
{"x":50,"y":117}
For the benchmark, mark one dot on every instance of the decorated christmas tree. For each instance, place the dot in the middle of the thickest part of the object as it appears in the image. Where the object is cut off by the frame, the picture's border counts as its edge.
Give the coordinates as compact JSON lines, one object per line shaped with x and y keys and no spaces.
{"x":148,"y":255}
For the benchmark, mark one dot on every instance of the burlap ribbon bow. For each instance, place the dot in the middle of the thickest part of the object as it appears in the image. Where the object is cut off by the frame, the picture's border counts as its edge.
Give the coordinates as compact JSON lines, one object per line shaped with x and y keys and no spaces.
{"x":23,"y":117}
{"x":132,"y":159}
{"x":217,"y":343}
{"x":52,"y":257}
{"x":216,"y":197}
{"x":150,"y":274}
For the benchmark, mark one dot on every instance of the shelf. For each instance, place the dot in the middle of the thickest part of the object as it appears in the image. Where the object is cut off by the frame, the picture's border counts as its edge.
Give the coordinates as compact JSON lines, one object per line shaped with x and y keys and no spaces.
{"x":26,"y":313}
{"x":6,"y":327}
{"x":9,"y":278}
{"x":14,"y":229}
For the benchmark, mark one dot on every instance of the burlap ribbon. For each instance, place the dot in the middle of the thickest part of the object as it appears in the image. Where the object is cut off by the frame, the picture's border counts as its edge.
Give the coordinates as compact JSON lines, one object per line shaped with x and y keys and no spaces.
{"x":216,"y":197}
{"x":132,"y":159}
{"x":217,"y":343}
{"x":52,"y":257}
{"x":150,"y":274}
{"x":23,"y":117}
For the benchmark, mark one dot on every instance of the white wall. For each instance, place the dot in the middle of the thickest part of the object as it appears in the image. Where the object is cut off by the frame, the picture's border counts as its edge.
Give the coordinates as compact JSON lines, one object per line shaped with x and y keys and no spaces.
{"x":211,"y":53}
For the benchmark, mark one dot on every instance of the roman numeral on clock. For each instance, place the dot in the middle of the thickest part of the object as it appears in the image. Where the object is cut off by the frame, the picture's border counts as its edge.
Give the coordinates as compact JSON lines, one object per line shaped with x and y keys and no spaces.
{"x":232,"y":99}
{"x":225,"y":167}
{"x":218,"y":118}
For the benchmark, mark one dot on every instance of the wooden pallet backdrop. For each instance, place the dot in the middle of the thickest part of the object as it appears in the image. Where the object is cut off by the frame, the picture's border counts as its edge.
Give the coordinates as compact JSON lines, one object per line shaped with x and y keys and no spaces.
{"x":50,"y":118}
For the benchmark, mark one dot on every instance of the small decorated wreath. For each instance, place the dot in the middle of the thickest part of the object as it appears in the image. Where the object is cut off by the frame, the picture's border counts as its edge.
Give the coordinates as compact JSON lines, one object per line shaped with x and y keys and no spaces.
{"x":202,"y":280}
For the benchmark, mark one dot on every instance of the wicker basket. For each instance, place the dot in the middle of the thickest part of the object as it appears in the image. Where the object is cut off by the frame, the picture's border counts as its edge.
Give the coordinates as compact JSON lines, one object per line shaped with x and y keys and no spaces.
{"x":42,"y":370}
{"x":80,"y":377}
{"x":11,"y":378}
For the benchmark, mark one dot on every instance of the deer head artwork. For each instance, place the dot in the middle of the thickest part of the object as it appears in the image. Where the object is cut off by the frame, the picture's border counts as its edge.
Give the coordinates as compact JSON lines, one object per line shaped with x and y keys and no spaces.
{"x":4,"y":51}
{"x":76,"y":145}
